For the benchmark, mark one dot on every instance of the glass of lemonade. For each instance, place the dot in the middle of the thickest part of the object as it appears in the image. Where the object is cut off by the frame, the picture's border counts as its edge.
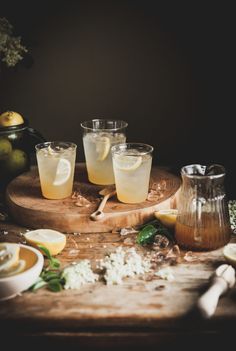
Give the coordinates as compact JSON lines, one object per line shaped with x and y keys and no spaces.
{"x":99,"y":135}
{"x":132,"y":167}
{"x":56,"y":164}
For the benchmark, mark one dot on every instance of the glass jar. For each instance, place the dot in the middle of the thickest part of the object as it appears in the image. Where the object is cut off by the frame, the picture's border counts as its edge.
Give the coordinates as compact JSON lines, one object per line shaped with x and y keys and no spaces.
{"x":16,"y":148}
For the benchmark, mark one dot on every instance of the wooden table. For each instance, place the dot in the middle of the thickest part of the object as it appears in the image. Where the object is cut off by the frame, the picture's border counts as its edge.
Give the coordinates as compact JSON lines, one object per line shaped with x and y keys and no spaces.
{"x":137,"y":313}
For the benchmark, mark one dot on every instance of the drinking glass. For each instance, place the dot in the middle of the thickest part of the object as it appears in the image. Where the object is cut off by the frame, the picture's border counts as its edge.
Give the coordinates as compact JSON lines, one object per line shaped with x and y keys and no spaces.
{"x":99,"y":135}
{"x":132,"y":166}
{"x":56,"y":165}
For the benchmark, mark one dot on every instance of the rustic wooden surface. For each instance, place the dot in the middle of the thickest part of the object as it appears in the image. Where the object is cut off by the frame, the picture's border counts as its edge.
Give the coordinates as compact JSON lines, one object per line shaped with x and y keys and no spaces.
{"x":29,"y":208}
{"x":137,"y":312}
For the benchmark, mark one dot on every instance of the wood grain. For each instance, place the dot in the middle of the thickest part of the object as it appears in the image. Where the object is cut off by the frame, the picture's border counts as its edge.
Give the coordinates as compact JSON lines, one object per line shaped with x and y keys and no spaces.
{"x":156,"y":312}
{"x":29,"y":208}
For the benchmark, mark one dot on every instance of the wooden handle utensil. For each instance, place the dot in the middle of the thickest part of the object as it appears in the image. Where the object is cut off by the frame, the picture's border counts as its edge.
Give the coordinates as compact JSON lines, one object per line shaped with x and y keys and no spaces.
{"x":107,"y":193}
{"x":222,"y":280}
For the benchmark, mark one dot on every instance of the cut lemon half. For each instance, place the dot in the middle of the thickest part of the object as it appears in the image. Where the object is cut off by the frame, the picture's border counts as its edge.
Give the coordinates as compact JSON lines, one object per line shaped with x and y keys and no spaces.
{"x":53,"y":240}
{"x":10,"y":118}
{"x":229,"y":252}
{"x":127,"y":162}
{"x":63,"y":172}
{"x":103,"y":145}
{"x":167,"y":217}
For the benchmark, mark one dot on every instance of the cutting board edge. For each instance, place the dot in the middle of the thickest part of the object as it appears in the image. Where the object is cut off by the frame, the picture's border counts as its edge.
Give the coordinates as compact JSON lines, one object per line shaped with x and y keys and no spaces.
{"x":73,"y":224}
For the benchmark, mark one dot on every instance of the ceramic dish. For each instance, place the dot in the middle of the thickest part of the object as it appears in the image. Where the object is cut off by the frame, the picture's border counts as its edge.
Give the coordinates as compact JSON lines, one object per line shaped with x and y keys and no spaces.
{"x":13,"y":285}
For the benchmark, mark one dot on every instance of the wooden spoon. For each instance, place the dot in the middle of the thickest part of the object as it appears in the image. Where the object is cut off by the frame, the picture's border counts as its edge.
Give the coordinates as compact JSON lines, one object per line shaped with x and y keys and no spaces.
{"x":106,"y":193}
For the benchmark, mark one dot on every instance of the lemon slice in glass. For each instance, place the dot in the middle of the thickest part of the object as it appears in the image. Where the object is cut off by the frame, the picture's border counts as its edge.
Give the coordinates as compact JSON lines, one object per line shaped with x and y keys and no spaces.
{"x":53,"y":240}
{"x":63,"y":172}
{"x":229,"y":252}
{"x":167,"y":217}
{"x":103,"y":145}
{"x":127,"y":162}
{"x":9,"y":256}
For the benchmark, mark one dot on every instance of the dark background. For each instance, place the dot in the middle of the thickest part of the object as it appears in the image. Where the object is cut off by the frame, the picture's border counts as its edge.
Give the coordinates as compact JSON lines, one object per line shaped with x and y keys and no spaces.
{"x":167,"y":68}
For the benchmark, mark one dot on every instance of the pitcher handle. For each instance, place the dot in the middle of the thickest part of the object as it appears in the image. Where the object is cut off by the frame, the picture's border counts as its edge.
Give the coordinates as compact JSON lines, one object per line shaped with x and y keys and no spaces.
{"x":35,"y":134}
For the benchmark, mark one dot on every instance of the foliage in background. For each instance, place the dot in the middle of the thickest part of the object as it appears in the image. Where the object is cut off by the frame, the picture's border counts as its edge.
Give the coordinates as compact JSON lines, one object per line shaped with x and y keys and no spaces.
{"x":232,"y":214}
{"x":11,"y":49}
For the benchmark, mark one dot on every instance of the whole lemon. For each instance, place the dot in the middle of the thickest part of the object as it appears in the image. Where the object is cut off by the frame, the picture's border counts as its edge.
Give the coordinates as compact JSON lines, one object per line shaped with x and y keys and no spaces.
{"x":5,"y":148}
{"x":10,"y":118}
{"x":17,"y":162}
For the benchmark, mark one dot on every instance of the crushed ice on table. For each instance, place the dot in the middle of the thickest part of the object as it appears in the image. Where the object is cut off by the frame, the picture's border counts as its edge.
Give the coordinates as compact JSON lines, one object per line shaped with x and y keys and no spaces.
{"x":190,"y":257}
{"x":128,"y":230}
{"x":156,"y":192}
{"x":81,"y":201}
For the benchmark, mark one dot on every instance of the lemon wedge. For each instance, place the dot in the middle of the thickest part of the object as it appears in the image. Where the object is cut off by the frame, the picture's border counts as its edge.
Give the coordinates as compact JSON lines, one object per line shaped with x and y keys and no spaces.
{"x":229,"y":252}
{"x":128,"y":162}
{"x":10,"y":118}
{"x":63,"y":172}
{"x":14,"y":270}
{"x":167,"y":217}
{"x":9,"y":256}
{"x":53,"y":240}
{"x":103,"y":145}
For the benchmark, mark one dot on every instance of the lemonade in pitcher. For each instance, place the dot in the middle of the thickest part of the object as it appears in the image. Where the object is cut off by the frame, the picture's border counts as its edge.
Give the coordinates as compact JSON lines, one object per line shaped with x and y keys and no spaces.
{"x":98,"y":138}
{"x":56,"y":164}
{"x":132,"y":166}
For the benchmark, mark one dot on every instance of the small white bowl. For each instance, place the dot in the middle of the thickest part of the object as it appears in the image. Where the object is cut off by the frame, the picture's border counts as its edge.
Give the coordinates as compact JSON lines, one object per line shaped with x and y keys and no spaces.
{"x":13,"y":285}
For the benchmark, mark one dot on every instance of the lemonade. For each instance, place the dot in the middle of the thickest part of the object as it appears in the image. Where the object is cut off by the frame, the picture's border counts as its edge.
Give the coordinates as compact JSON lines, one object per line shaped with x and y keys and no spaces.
{"x":132,"y":166}
{"x":56,"y":164}
{"x":98,"y":156}
{"x":98,"y":138}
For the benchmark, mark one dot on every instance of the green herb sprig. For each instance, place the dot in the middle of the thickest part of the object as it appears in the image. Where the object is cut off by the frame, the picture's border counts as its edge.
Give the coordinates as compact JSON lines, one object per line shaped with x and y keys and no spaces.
{"x":51,"y":276}
{"x":149,"y":230}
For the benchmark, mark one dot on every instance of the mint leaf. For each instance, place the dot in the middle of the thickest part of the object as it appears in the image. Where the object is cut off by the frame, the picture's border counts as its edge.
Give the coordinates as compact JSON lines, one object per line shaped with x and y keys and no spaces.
{"x":46,"y":251}
{"x":55,"y":285}
{"x":150,"y":230}
{"x":48,"y":275}
{"x":146,"y":235}
{"x":39,"y":284}
{"x":54,"y":263}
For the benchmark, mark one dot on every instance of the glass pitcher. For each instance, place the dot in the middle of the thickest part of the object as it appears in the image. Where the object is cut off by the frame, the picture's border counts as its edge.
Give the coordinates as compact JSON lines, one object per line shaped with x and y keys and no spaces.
{"x":203,"y":217}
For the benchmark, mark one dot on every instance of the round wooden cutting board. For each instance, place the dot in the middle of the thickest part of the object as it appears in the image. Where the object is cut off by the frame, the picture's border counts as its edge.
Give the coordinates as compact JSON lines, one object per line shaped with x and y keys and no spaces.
{"x":30,"y":209}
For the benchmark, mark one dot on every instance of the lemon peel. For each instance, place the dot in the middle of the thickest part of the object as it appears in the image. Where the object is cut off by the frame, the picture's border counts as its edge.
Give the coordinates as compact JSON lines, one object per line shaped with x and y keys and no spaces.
{"x":167,"y":217}
{"x":53,"y":240}
{"x":229,"y":252}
